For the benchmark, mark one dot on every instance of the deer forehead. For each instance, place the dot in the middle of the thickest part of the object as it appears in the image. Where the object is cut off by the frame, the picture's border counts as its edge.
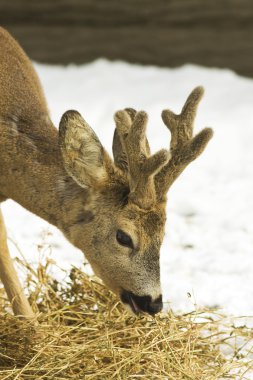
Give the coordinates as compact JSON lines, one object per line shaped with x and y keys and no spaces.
{"x":144,"y":227}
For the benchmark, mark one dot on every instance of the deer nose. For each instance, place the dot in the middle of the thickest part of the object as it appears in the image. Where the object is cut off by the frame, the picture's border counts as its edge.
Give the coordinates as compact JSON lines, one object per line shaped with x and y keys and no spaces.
{"x":146,"y":304}
{"x":142,"y":303}
{"x":156,"y":306}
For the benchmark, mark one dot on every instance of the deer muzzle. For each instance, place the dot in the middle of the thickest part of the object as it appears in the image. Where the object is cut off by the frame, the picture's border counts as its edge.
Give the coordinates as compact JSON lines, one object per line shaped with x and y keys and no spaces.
{"x":142,"y":304}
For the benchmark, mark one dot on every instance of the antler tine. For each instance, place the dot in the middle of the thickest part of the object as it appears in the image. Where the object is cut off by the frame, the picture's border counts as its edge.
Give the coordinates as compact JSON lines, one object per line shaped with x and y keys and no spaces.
{"x":141,"y":166}
{"x":183,"y":147}
{"x":119,"y":154}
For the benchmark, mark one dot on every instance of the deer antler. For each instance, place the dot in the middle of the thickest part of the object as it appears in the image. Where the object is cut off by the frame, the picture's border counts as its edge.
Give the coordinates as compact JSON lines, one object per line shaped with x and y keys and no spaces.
{"x":183,"y":147}
{"x":141,"y":167}
{"x":119,"y":154}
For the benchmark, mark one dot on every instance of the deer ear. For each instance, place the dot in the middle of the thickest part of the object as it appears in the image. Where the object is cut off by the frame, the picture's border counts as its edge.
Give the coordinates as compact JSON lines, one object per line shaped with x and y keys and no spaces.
{"x":84,"y":157}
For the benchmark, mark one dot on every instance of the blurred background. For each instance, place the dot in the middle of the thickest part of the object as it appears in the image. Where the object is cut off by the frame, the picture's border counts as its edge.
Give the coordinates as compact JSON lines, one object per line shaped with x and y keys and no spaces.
{"x":163,"y":32}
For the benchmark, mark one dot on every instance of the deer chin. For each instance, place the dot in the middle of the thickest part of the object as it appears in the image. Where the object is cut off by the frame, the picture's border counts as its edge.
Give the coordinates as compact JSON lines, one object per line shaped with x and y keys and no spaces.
{"x":130,"y":310}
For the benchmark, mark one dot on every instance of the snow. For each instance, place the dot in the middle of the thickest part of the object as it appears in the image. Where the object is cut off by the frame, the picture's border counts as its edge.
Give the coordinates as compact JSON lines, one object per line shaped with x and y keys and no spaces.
{"x":207,"y":255}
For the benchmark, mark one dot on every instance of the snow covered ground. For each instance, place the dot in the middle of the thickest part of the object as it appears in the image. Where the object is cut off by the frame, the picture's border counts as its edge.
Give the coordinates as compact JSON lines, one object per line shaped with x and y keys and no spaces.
{"x":207,"y":255}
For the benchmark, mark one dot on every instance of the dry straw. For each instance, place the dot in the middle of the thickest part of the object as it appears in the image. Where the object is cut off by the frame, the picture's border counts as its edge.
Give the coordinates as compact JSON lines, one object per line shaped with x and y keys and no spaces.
{"x":84,"y":333}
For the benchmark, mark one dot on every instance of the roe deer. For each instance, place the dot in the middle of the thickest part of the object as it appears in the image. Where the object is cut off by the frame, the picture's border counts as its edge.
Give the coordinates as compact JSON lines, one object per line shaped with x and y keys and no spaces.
{"x":114,"y":211}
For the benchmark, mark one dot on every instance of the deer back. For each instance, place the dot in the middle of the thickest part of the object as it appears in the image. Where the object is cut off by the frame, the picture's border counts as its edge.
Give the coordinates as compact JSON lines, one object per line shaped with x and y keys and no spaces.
{"x":29,"y":151}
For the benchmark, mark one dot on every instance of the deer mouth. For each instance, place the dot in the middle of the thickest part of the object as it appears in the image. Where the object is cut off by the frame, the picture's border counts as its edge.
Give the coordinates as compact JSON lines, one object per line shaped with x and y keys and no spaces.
{"x":128,"y":298}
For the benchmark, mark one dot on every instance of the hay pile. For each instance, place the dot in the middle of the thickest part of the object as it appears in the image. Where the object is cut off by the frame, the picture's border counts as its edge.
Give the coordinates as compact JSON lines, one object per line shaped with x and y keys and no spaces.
{"x":84,"y":333}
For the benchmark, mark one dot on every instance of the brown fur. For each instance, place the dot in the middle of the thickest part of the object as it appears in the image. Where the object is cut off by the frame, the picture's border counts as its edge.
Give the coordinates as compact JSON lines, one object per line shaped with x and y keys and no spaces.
{"x":68,"y":179}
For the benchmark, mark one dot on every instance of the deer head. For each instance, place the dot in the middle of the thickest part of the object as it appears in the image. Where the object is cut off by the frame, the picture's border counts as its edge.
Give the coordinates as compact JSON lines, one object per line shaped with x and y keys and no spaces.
{"x":122,"y":223}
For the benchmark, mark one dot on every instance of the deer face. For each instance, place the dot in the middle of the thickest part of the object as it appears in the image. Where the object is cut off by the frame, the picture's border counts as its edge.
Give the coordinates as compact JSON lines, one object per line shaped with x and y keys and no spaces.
{"x":120,"y":226}
{"x":123,"y":249}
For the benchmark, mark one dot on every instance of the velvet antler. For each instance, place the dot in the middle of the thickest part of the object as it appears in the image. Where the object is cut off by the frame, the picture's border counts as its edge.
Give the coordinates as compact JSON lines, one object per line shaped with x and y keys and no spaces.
{"x":150,"y":176}
{"x":184,"y":148}
{"x":133,"y":156}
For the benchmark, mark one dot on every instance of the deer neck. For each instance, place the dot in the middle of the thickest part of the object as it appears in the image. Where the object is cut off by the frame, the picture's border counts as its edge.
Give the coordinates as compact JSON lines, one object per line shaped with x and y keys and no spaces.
{"x":32,"y":173}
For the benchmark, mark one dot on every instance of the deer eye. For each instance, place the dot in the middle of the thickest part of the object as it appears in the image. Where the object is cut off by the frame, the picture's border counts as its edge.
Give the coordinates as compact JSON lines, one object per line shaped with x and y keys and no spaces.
{"x":124,"y":239}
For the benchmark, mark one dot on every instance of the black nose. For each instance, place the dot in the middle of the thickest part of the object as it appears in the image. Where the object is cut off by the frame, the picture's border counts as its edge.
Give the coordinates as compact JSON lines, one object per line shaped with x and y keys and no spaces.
{"x":142,"y":303}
